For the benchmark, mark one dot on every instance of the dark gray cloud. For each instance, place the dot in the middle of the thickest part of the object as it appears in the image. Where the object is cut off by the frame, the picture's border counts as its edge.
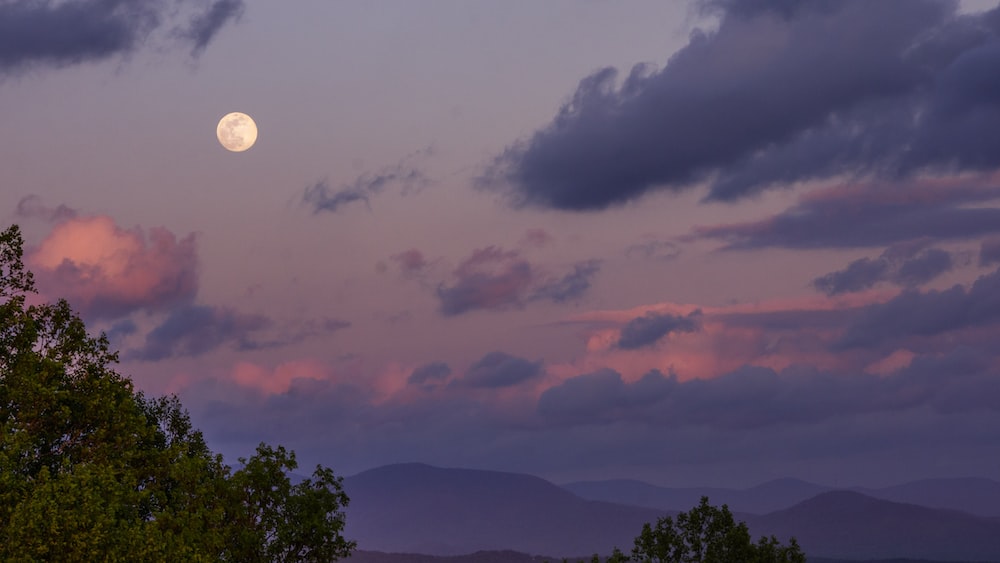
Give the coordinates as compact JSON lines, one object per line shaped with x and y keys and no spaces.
{"x":860,"y":274}
{"x":333,"y":325}
{"x":32,"y":207}
{"x":654,"y":250}
{"x":429,"y":374}
{"x":923,"y":314}
{"x":571,"y":286}
{"x":499,"y":369}
{"x":989,"y":252}
{"x":495,"y":279}
{"x":322,"y":197}
{"x":194,"y":330}
{"x":908,"y":267}
{"x":57,"y":34}
{"x":868,"y":216}
{"x":775,"y":96}
{"x":204,"y":26}
{"x":121,"y":329}
{"x":754,"y":397}
{"x":650,"y":328}
{"x":923,"y":267}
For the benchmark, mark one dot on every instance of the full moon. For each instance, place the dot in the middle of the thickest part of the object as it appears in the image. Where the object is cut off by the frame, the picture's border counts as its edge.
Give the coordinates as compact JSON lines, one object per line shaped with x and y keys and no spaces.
{"x":237,"y":132}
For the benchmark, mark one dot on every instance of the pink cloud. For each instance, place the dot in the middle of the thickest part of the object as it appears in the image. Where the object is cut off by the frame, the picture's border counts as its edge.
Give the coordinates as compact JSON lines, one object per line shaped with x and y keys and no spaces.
{"x":411,"y":262}
{"x":775,"y":334}
{"x":105,"y":271}
{"x":536,"y":238}
{"x":279,"y":379}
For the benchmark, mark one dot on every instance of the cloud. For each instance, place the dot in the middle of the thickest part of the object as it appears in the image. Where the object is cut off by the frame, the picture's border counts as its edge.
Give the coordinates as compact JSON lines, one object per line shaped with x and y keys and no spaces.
{"x":860,"y":274}
{"x":411,"y":262}
{"x":499,"y":369}
{"x":989,"y":252}
{"x":429,"y":374}
{"x":753,"y":397}
{"x":773,"y":97}
{"x":58,"y":34}
{"x":537,"y":238}
{"x":105,"y":271}
{"x":282,"y":377}
{"x":652,"y":327}
{"x":922,"y":314}
{"x":571,"y":286}
{"x":903,"y":265}
{"x":204,"y":26}
{"x":321,"y":197}
{"x":32,"y":207}
{"x":495,"y":279}
{"x":333,"y":325}
{"x":871,"y":215}
{"x":121,"y":329}
{"x":491,"y":278}
{"x":194,"y":330}
{"x":653,"y":250}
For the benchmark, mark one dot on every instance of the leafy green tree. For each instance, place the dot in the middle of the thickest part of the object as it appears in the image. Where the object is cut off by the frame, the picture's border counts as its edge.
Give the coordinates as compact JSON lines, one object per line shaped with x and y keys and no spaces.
{"x":707,"y":534}
{"x":92,"y":470}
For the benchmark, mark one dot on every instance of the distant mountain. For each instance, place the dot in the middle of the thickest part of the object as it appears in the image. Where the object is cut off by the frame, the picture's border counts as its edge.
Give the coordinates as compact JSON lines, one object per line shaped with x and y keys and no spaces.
{"x":850,"y":525}
{"x":973,"y":495}
{"x":417,"y":508}
{"x":478,"y":557}
{"x":517,"y":557}
{"x":764,"y":498}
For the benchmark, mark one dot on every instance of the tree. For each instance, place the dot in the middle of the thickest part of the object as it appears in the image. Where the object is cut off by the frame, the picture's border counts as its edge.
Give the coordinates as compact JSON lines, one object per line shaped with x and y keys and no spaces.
{"x":91,"y":469}
{"x":707,"y":534}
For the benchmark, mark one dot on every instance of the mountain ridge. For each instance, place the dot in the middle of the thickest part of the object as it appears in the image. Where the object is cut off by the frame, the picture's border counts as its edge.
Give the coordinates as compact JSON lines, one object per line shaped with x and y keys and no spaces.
{"x":418,"y":508}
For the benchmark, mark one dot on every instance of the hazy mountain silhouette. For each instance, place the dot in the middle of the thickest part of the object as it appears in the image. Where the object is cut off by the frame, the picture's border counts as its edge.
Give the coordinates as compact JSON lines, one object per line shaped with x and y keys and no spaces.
{"x":973,"y":495}
{"x":764,"y":498}
{"x":850,"y":525}
{"x":422,"y":509}
{"x":419,"y":509}
{"x":517,"y":557}
{"x":477,"y":557}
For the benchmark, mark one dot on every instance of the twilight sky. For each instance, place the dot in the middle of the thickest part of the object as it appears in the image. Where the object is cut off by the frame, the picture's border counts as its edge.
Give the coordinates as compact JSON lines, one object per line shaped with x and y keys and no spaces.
{"x":705,"y":243}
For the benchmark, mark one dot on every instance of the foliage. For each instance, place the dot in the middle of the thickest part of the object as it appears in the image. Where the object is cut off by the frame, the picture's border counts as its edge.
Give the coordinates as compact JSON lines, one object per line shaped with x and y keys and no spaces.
{"x":707,"y":534}
{"x":91,"y":469}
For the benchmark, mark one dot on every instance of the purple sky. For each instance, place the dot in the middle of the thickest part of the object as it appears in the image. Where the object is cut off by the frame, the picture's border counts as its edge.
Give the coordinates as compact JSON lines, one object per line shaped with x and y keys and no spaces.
{"x":697,"y":244}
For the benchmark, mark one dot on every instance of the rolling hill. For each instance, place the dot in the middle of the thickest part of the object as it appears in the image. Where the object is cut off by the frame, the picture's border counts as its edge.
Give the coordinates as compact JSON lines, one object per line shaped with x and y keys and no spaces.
{"x":419,"y":509}
{"x":422,"y":509}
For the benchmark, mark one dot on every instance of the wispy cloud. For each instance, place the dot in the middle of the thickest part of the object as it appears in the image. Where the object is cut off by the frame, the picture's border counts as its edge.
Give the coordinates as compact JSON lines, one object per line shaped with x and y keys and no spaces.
{"x":322,"y":197}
